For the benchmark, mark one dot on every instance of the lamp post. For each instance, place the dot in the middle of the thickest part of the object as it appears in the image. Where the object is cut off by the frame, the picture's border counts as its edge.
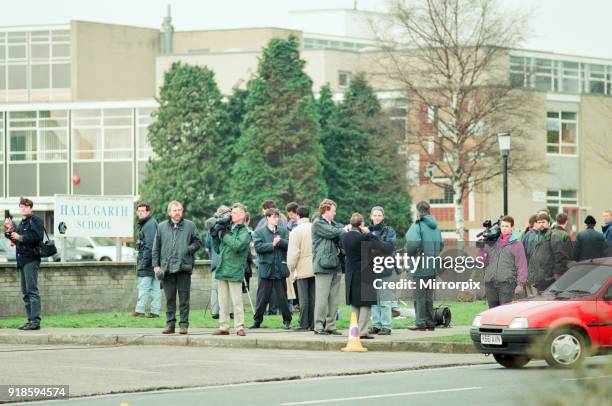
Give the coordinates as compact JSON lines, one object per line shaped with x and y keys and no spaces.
{"x":504,"y":150}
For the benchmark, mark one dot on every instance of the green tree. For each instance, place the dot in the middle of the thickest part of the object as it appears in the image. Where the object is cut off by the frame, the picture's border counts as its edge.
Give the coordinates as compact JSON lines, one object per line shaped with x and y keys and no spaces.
{"x":190,"y":137}
{"x":279,"y":154}
{"x":362,"y":165}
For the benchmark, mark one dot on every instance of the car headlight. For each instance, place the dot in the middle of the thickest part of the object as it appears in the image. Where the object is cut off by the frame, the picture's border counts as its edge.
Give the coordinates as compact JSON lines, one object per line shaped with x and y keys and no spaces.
{"x":477,"y":321}
{"x":519,"y":322}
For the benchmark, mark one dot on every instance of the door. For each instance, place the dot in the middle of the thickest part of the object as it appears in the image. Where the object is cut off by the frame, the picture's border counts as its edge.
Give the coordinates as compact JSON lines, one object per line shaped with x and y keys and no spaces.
{"x":572,"y":220}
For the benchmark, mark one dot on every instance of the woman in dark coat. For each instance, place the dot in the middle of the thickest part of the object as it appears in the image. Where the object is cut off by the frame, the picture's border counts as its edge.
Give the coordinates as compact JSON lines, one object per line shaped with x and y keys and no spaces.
{"x":359,"y":277}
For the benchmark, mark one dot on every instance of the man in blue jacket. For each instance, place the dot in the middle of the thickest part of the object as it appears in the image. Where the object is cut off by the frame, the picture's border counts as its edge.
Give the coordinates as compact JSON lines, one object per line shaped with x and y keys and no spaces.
{"x":424,"y":240}
{"x":148,"y":284}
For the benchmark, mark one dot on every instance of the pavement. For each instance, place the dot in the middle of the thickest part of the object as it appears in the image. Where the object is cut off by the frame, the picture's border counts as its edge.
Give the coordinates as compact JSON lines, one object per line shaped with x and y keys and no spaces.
{"x":167,"y":375}
{"x":399,"y":340}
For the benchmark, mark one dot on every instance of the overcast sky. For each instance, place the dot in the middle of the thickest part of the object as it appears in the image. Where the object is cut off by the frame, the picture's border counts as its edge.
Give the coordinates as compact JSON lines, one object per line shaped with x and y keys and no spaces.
{"x":579,"y":27}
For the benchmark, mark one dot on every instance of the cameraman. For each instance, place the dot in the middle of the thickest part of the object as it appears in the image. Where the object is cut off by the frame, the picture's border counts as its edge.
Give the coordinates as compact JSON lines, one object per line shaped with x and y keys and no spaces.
{"x":232,"y":246}
{"x":220,"y":214}
{"x":505,"y":266}
{"x":27,"y":236}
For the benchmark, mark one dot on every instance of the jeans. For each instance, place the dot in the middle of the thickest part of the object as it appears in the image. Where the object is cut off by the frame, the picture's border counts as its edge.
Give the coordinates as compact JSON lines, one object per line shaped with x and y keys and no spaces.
{"x":29,"y":290}
{"x":148,"y":286}
{"x":181,"y":282}
{"x":214,"y":294}
{"x":381,"y":315}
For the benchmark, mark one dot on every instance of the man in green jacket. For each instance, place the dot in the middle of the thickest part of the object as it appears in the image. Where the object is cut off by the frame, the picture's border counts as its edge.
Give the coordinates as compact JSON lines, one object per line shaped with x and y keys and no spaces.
{"x":232,"y":246}
{"x":327,"y":268}
{"x":561,"y":245}
{"x":174,"y":248}
{"x":424,"y":240}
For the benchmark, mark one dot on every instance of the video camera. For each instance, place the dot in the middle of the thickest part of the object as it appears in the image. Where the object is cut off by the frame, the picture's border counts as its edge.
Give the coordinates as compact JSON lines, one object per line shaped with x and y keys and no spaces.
{"x":9,"y":228}
{"x":490,"y":234}
{"x":219,"y":223}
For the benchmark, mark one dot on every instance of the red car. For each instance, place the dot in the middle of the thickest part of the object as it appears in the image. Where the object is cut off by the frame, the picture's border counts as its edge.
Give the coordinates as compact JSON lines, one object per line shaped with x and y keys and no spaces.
{"x":568,"y":321}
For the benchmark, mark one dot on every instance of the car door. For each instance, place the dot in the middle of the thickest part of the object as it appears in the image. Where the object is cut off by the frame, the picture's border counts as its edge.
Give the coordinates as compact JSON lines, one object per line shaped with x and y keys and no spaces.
{"x":604,"y":311}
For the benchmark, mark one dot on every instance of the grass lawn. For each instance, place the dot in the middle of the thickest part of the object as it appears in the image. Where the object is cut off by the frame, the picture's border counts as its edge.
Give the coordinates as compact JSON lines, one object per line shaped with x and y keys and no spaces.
{"x":462,"y":314}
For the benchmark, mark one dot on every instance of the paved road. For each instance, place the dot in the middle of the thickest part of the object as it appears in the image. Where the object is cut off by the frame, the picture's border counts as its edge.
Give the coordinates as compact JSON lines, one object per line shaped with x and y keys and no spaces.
{"x":217,"y":371}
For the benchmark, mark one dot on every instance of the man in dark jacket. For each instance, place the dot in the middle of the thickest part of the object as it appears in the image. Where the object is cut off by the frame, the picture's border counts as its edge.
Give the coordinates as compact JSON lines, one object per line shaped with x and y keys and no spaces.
{"x":541,"y":259}
{"x":561,"y":245}
{"x":589,"y":243}
{"x":424,"y":239}
{"x":176,"y":243}
{"x":148,"y":284}
{"x":607,"y":229}
{"x":27,"y":236}
{"x":271,"y":244}
{"x":327,"y":267}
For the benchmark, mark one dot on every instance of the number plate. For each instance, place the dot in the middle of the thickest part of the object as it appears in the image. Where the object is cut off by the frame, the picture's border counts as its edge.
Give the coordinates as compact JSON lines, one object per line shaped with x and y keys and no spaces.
{"x":492,"y":339}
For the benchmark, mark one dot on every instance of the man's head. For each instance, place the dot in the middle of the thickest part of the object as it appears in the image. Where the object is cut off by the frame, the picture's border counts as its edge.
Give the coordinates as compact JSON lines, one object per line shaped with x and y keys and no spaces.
{"x":422,"y":208}
{"x":327,"y":209}
{"x":590,"y":221}
{"x":272,"y":216}
{"x":356,"y":220}
{"x":291,"y":209}
{"x":303,"y":212}
{"x":506,"y":225}
{"x":377,"y":215}
{"x":25,"y":206}
{"x":238,"y":213}
{"x":543,"y":221}
{"x":143,"y":210}
{"x":561,"y":219}
{"x":267,"y":204}
{"x":532,"y":220}
{"x":175,"y":211}
{"x":607,"y":216}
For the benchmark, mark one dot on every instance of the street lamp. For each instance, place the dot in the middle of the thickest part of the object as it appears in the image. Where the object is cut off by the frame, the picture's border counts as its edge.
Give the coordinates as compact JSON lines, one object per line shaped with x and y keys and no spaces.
{"x":504,"y":150}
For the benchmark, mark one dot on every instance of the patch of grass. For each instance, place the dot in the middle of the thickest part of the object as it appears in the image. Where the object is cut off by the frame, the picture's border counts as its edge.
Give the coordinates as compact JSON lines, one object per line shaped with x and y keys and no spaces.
{"x":462,"y":314}
{"x":457,"y":338}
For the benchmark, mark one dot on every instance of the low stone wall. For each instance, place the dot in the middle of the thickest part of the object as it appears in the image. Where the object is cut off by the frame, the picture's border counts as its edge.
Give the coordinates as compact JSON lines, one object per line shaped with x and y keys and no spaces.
{"x":68,"y":288}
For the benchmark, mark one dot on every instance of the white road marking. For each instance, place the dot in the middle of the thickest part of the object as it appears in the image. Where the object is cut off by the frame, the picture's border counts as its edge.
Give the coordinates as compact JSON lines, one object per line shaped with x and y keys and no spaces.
{"x":386,"y":395}
{"x":589,"y":377}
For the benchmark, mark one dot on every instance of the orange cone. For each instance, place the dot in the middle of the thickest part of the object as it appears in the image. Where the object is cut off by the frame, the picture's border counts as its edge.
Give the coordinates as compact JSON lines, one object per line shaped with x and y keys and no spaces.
{"x":354,"y":344}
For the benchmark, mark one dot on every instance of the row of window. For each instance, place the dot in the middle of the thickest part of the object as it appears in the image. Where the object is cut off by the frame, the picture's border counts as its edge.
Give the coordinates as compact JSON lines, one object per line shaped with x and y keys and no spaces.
{"x":560,"y":76}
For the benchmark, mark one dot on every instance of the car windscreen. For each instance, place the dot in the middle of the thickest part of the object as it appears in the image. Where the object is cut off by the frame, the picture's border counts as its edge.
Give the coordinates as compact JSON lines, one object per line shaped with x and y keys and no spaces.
{"x":584,"y":278}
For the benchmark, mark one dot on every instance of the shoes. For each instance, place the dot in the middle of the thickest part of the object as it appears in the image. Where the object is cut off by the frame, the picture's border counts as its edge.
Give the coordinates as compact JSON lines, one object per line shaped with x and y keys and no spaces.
{"x":300,"y":329}
{"x":384,"y":332}
{"x":168,"y":330}
{"x":296,"y":309}
{"x":423,"y":328}
{"x":240,"y":332}
{"x":22,"y":327}
{"x":255,"y":326}
{"x":215,"y":316}
{"x":183,"y":330}
{"x":31,"y":326}
{"x":287,"y":325}
{"x":321,"y":332}
{"x":232,"y":316}
{"x":373,"y":330}
{"x":138,"y":314}
{"x":220,"y":332}
{"x":395,"y":313}
{"x":152,"y":316}
{"x":334,"y":332}
{"x":367,"y":337}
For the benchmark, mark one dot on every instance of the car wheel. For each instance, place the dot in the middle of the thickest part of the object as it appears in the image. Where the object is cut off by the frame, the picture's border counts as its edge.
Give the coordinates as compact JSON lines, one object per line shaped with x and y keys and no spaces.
{"x":565,"y":348}
{"x":105,"y":259}
{"x":512,"y":361}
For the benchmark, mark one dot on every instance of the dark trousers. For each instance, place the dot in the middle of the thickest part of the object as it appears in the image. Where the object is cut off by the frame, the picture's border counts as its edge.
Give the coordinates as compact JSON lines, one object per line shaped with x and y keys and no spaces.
{"x":273,"y":302}
{"x":264,"y":292}
{"x":499,"y":293}
{"x":29,"y":290}
{"x":306,"y":289}
{"x":181,"y":282}
{"x":423,"y":303}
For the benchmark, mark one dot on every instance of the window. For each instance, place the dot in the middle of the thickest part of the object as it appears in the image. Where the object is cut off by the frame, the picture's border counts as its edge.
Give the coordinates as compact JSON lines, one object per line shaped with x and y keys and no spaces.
{"x":556,"y":199}
{"x":344,"y":79}
{"x":447,"y":198}
{"x":517,"y":71}
{"x":561,"y":133}
{"x":102,"y":134}
{"x":569,"y":74}
{"x":38,"y":135}
{"x":545,"y":75}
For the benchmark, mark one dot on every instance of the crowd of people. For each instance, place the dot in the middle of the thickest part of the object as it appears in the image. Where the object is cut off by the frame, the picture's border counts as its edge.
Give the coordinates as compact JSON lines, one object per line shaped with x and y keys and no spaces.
{"x":300,"y":259}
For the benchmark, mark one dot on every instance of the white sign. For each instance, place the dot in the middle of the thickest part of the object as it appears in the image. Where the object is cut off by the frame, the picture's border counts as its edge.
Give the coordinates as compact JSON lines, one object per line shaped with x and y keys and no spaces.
{"x":539,"y":197}
{"x":95,"y":216}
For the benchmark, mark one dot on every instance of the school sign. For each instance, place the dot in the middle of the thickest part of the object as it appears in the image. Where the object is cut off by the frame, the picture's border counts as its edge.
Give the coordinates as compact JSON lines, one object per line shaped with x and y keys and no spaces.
{"x":95,"y":216}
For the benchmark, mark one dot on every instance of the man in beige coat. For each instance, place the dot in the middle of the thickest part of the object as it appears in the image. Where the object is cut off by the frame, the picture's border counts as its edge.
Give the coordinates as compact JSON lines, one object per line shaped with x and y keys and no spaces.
{"x":299,"y":262}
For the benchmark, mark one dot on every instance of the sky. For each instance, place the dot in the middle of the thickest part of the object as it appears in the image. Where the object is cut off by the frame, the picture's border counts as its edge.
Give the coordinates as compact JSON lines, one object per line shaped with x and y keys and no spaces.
{"x":576,"y":27}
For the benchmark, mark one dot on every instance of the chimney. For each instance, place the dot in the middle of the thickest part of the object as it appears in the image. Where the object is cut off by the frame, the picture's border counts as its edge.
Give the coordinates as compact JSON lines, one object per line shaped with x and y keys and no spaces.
{"x":168,"y":30}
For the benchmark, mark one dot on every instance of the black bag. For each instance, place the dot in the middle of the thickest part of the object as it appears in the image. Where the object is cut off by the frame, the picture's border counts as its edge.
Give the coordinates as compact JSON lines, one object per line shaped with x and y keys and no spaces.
{"x":47,"y":248}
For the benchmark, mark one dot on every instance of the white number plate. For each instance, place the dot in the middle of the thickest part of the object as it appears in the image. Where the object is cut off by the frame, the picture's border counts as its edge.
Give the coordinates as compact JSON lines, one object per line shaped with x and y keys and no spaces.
{"x":492,"y":339}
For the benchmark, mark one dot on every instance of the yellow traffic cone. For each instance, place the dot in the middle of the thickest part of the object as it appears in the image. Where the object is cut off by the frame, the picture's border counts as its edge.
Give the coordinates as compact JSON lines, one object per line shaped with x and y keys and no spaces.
{"x":354,"y":344}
